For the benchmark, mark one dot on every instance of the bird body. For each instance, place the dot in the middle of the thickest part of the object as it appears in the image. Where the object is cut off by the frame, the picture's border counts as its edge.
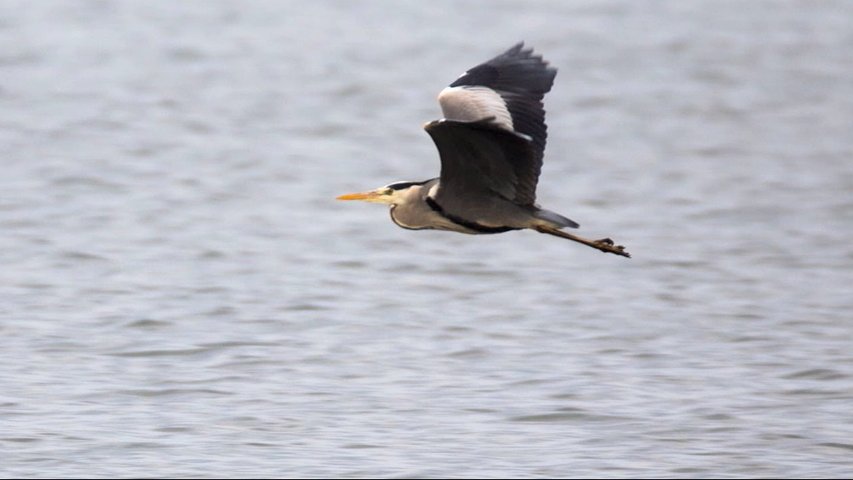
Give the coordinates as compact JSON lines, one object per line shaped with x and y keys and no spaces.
{"x":491,"y":142}
{"x":417,"y":208}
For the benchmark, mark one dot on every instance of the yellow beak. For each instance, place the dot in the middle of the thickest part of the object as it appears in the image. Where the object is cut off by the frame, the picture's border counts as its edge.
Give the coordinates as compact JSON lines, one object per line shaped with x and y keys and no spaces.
{"x":366,"y":196}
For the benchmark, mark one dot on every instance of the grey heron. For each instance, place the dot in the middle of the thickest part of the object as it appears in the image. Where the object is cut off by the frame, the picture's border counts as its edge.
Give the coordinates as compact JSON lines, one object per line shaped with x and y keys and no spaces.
{"x":491,"y":142}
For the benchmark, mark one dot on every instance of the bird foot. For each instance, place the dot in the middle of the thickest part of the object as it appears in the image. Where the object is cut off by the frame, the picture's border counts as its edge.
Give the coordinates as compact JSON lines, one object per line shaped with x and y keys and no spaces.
{"x":608,"y":246}
{"x":605,"y":244}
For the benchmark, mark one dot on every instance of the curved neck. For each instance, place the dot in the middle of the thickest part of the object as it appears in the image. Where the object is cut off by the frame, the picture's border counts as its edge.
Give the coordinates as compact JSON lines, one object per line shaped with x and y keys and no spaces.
{"x":409,"y":208}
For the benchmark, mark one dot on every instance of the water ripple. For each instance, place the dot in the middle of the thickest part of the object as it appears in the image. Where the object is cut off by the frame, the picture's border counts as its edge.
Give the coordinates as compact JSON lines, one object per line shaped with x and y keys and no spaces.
{"x":181,"y":296}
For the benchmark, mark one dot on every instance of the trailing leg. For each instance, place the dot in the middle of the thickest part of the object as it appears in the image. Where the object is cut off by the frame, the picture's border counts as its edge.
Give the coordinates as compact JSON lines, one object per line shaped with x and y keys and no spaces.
{"x":605,"y":244}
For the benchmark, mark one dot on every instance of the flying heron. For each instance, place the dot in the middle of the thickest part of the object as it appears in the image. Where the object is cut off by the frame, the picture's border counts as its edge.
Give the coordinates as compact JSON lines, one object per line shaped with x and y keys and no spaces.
{"x":491,"y":142}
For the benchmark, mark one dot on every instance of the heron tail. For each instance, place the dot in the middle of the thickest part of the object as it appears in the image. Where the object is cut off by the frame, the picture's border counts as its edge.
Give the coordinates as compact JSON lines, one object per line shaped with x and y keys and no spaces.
{"x":555,"y":218}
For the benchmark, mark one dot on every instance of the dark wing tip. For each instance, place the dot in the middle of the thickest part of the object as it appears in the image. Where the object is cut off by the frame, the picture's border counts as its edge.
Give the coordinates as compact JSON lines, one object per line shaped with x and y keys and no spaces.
{"x":515,"y":49}
{"x":517,"y":70}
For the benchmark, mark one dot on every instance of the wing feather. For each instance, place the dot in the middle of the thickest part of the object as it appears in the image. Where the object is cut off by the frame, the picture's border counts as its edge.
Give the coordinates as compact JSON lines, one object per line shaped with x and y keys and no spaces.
{"x":495,"y":120}
{"x":482,"y":159}
{"x":521,"y":79}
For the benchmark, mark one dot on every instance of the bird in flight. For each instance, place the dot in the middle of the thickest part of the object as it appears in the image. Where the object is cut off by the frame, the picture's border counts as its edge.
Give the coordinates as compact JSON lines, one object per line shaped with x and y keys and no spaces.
{"x":491,"y":142}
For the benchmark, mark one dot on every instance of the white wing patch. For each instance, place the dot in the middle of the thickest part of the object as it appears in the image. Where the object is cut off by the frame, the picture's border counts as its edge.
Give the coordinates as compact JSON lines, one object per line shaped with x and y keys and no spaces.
{"x":472,"y":103}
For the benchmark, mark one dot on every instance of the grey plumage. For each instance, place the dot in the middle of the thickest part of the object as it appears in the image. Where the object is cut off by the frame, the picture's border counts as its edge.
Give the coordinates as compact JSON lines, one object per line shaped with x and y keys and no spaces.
{"x":491,"y":144}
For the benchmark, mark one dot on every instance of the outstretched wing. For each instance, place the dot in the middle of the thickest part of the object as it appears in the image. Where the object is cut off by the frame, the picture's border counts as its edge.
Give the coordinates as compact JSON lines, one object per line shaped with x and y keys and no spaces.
{"x":480,"y":160}
{"x":508,"y":89}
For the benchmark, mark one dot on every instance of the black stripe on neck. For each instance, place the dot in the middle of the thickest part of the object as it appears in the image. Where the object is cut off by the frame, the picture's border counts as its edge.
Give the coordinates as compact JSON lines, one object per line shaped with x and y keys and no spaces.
{"x":462,"y":222}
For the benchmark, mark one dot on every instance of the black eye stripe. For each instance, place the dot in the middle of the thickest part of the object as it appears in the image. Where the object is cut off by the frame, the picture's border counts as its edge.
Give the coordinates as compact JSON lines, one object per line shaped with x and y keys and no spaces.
{"x":403,"y":185}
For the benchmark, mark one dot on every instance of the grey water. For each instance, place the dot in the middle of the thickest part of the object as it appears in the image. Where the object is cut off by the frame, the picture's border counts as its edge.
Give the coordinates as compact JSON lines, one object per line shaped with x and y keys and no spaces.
{"x":181,"y":295}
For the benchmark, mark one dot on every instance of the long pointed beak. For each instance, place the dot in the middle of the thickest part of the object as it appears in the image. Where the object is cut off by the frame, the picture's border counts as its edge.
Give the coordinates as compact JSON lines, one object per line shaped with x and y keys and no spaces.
{"x":366,"y":196}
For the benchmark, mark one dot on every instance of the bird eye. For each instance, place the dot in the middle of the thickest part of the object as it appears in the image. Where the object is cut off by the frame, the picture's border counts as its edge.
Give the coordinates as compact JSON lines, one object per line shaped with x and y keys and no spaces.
{"x":388,"y":191}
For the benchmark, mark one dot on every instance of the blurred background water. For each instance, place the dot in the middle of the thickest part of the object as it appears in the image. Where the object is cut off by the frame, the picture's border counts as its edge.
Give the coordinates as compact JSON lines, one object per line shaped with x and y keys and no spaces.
{"x":180,"y":295}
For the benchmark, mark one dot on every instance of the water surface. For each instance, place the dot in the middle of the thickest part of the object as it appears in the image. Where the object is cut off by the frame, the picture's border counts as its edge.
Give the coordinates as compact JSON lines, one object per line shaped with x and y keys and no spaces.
{"x":181,"y":296}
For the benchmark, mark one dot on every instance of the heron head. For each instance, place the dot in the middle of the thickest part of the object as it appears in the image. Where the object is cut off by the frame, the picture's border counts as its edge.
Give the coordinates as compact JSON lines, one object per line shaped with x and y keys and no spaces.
{"x":389,"y":194}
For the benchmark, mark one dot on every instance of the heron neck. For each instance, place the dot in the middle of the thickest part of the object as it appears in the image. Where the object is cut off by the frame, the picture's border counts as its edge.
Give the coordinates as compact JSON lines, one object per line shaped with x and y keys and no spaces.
{"x":411,"y":209}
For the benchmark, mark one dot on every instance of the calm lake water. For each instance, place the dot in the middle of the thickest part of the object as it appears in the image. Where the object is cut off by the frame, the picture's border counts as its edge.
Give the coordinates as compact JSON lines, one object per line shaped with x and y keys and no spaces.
{"x":180,"y":295}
